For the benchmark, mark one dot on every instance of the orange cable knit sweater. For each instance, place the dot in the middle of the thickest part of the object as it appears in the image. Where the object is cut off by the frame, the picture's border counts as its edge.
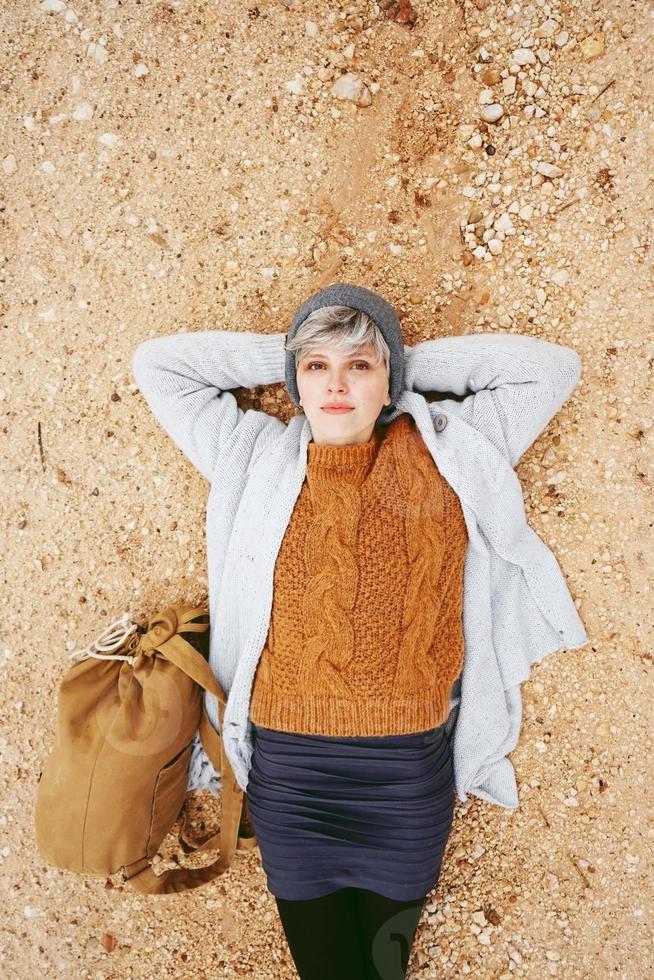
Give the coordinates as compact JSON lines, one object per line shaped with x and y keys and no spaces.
{"x":366,"y":632}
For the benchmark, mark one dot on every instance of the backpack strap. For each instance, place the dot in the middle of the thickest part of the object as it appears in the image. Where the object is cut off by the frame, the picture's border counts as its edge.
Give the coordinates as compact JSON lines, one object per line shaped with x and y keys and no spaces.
{"x":171,"y":645}
{"x":245,"y":837}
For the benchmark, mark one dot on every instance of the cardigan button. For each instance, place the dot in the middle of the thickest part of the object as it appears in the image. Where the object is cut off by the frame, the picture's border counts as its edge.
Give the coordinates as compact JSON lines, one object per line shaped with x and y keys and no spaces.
{"x":440,"y":422}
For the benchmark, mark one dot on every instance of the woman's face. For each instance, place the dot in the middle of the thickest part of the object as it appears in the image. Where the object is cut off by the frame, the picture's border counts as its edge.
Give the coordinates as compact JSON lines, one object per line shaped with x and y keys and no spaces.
{"x":325,"y":377}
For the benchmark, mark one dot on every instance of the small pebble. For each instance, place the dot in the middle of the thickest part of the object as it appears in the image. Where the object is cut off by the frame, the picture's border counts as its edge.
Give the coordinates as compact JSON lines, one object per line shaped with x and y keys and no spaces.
{"x":97,"y":52}
{"x":83,"y":112}
{"x":504,"y":223}
{"x":547,"y":29}
{"x":492,"y":113}
{"x":548,"y":169}
{"x":108,"y":942}
{"x":352,"y":88}
{"x":592,"y":47}
{"x":523,"y":56}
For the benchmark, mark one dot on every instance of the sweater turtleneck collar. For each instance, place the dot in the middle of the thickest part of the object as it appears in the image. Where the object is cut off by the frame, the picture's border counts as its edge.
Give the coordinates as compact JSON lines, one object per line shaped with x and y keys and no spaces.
{"x":353,"y":459}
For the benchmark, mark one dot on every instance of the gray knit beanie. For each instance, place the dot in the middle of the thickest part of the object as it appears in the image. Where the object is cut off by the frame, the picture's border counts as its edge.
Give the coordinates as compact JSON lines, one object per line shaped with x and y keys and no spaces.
{"x":378,"y":309}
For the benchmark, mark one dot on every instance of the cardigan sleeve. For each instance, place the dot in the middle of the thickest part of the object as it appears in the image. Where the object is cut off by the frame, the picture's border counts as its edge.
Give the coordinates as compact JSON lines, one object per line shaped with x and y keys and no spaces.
{"x":508,"y":386}
{"x":185,"y":379}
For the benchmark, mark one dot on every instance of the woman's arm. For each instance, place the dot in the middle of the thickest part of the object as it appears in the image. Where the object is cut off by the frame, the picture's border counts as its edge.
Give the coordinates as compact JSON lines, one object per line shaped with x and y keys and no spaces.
{"x":185,"y":380}
{"x":514,"y":384}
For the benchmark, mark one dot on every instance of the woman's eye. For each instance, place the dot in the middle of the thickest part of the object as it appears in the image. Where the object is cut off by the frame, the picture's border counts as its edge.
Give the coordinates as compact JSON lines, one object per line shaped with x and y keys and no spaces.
{"x":364,"y":363}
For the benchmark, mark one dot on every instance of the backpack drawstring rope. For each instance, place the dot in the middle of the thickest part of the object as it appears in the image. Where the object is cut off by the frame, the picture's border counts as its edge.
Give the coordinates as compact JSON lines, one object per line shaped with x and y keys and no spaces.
{"x":112,"y":638}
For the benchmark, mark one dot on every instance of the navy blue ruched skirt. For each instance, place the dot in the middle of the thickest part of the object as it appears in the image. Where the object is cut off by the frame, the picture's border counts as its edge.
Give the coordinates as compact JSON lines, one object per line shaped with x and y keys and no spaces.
{"x":331,"y":812}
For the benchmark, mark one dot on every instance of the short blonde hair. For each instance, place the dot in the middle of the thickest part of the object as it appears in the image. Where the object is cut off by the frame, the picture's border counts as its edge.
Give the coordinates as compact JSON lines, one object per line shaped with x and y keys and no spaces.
{"x":344,"y":330}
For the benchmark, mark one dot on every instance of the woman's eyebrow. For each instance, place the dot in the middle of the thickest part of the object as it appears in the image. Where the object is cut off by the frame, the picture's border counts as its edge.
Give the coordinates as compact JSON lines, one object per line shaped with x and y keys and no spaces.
{"x":354,"y":357}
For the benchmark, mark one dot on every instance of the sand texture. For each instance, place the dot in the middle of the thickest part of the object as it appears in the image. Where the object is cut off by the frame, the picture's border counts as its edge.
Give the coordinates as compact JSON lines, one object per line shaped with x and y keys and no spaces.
{"x":171,"y":166}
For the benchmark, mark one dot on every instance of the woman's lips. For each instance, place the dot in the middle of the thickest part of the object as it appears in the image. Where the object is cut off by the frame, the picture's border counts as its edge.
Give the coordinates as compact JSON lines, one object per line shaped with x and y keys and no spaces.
{"x":337,"y":411}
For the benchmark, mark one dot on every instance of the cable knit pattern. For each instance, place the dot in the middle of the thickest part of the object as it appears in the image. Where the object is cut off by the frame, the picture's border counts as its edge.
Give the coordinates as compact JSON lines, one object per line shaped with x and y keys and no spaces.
{"x":425,"y":543}
{"x":366,"y":634}
{"x":331,"y":569}
{"x":328,"y":602}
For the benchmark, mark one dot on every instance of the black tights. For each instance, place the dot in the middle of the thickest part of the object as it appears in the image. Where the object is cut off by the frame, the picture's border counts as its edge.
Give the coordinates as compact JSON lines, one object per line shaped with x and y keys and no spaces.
{"x":351,"y":934}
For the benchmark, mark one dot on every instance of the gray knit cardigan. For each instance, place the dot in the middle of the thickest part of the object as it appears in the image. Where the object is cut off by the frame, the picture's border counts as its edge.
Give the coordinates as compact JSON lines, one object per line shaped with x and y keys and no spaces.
{"x":501,"y":391}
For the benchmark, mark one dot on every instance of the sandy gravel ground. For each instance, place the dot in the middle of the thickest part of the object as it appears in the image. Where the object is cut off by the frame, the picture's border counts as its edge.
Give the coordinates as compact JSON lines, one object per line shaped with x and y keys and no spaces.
{"x":186,"y":165}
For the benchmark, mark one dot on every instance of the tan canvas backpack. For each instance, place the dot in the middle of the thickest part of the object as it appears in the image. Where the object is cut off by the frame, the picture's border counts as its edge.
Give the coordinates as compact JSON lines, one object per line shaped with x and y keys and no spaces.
{"x":115,"y":781}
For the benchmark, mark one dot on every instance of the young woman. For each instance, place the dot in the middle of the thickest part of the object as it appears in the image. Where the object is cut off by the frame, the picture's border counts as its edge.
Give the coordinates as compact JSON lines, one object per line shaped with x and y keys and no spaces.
{"x":352,"y":782}
{"x":372,"y":580}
